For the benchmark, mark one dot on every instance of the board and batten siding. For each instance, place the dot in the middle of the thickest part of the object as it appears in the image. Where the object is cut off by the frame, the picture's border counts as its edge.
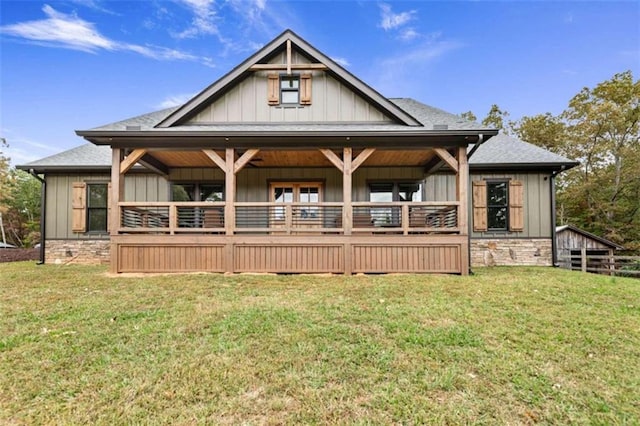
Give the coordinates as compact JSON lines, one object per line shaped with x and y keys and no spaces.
{"x":568,"y":239}
{"x":537,"y":201}
{"x":138,"y":187}
{"x":197,"y":174}
{"x":331,"y":102}
{"x":536,"y":204}
{"x":253,"y":183}
{"x":364,"y":175}
{"x":440,"y":187}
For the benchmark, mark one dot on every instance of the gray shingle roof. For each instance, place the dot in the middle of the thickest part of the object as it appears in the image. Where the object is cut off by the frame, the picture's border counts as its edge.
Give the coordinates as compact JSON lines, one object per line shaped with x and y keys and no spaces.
{"x":500,"y":151}
{"x":507,"y":150}
{"x":145,"y":121}
{"x":87,"y":156}
{"x":430,"y":116}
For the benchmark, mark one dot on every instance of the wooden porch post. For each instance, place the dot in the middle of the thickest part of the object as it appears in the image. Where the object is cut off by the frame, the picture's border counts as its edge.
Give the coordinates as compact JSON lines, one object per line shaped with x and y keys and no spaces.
{"x":347,"y":165}
{"x":347,"y":208}
{"x":230,"y":192}
{"x":462,"y":185}
{"x":229,"y":205}
{"x":117,"y":193}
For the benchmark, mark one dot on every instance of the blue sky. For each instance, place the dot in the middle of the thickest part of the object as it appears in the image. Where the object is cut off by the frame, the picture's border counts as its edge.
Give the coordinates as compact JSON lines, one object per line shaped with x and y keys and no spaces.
{"x":78,"y":64}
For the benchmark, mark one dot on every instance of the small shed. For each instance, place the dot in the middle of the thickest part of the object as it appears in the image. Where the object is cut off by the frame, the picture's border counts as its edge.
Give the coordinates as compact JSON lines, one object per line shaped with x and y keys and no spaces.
{"x":582,"y":250}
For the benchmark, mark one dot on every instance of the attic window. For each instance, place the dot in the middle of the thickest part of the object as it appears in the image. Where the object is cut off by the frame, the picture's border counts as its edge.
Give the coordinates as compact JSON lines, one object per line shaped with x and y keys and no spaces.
{"x":289,"y":89}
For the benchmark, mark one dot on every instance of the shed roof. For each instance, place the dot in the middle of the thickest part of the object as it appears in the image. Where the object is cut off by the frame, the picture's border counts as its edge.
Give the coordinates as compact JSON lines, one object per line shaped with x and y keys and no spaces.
{"x":504,"y":152}
{"x":571,"y":228}
{"x":84,"y":157}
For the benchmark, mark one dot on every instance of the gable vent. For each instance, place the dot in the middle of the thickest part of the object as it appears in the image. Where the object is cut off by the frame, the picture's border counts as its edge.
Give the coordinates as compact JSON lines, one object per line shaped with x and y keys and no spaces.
{"x":440,"y":127}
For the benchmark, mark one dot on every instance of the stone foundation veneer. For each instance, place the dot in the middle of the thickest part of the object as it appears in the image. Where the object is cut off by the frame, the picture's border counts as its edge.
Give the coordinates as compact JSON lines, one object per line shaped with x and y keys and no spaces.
{"x":484,"y":252}
{"x":77,"y":251}
{"x":511,"y":252}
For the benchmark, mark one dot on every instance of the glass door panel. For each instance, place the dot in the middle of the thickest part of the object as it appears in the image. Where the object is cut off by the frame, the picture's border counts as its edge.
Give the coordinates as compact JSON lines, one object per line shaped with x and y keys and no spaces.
{"x":296,"y":192}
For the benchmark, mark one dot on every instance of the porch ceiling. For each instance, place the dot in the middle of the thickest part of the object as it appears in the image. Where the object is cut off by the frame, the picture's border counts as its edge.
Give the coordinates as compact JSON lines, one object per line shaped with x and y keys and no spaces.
{"x":295,"y":158}
{"x":184,"y":158}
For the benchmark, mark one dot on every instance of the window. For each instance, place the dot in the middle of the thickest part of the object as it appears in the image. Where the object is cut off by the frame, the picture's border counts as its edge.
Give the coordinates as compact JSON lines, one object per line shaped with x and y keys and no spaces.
{"x":497,"y":205}
{"x":197,"y":191}
{"x":395,"y":191}
{"x":289,"y":89}
{"x":97,"y":195}
{"x":294,"y":192}
{"x":293,"y":90}
{"x":201,"y":216}
{"x":384,"y":192}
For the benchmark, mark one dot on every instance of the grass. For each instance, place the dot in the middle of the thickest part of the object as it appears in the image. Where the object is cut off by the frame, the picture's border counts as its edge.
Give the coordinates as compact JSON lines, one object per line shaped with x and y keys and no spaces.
{"x":506,"y":346}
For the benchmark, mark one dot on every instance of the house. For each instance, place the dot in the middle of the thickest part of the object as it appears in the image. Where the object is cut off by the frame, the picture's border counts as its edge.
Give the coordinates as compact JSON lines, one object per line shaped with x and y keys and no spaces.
{"x":289,"y":163}
{"x":579,"y":249}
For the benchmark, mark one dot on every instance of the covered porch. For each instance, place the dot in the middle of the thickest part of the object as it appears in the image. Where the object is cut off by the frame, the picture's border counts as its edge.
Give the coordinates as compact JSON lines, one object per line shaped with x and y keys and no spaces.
{"x":261,"y":225}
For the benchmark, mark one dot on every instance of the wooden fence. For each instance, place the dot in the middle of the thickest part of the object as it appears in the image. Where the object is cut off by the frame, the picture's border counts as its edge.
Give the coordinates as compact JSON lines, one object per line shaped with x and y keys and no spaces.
{"x":624,"y":266}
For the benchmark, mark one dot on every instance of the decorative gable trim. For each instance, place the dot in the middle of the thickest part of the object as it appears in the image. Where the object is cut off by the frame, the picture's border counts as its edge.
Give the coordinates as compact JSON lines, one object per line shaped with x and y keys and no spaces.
{"x":253,"y":62}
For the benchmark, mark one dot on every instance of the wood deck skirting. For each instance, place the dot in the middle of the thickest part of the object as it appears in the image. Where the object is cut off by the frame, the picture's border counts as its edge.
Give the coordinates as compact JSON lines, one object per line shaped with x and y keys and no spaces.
{"x":340,"y":254}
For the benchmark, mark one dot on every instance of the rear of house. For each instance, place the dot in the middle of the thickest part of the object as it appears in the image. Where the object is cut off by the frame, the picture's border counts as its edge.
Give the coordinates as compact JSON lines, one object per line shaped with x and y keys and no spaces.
{"x":291,"y":164}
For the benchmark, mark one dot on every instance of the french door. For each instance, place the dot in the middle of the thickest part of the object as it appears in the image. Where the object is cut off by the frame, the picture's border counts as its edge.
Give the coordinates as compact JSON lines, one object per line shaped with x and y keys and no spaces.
{"x":306,"y":215}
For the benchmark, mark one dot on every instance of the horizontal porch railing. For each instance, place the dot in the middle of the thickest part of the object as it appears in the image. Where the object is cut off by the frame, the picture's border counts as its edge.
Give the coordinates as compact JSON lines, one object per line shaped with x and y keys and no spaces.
{"x":289,"y":218}
{"x":406,"y":217}
{"x":171,"y":217}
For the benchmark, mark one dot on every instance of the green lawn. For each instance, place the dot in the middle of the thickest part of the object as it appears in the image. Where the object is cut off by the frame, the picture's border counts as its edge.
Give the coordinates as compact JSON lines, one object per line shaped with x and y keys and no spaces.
{"x":506,"y":346}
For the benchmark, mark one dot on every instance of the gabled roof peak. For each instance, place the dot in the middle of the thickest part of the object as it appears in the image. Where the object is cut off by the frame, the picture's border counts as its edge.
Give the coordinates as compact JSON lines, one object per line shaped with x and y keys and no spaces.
{"x":239,"y":72}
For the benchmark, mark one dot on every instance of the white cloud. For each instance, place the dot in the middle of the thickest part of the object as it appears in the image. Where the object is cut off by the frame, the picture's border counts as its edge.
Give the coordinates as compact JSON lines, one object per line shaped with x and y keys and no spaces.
{"x":206,"y":21}
{"x":94,"y":4}
{"x":409,"y":34}
{"x":175,"y":100}
{"x":390,"y":20}
{"x":68,"y":31}
{"x":424,"y":53}
{"x":396,"y":75}
{"x":204,"y":16}
{"x":22,"y":150}
{"x":251,"y":11}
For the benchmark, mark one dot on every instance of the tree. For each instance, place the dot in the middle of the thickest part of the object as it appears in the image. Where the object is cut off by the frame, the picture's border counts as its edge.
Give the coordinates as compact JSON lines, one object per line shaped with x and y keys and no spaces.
{"x":22,"y":209}
{"x":544,"y":130}
{"x":19,"y":203}
{"x":496,"y":118}
{"x":606,"y":120}
{"x":601,"y":129}
{"x":603,"y":133}
{"x":469,"y":116}
{"x":4,"y":173}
